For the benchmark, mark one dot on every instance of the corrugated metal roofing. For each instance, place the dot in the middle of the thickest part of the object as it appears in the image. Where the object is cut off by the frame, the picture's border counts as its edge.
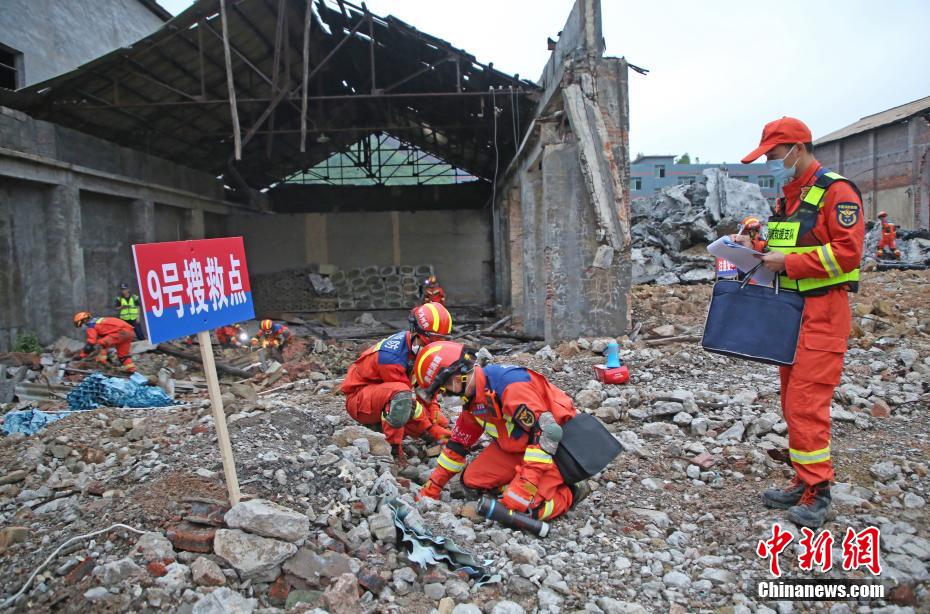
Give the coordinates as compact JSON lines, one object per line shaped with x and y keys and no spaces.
{"x":905,"y":111}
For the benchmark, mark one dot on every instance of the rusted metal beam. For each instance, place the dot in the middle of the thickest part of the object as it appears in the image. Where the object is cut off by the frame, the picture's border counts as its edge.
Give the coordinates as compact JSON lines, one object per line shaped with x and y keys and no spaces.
{"x":333,"y":97}
{"x":371,"y":50}
{"x":233,"y":111}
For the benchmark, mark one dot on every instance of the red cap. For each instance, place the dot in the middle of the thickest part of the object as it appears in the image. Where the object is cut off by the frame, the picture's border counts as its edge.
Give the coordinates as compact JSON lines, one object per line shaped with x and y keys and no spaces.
{"x":784,"y":131}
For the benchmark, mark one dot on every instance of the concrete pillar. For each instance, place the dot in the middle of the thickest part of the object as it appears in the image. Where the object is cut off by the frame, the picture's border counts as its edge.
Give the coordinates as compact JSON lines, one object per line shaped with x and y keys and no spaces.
{"x":143,"y":221}
{"x":533,"y":255}
{"x":195,"y":228}
{"x":316,"y":244}
{"x":65,"y":257}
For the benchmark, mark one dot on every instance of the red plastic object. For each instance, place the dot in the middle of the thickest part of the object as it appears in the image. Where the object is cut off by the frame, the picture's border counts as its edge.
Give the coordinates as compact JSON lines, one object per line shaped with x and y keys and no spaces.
{"x":617,"y":375}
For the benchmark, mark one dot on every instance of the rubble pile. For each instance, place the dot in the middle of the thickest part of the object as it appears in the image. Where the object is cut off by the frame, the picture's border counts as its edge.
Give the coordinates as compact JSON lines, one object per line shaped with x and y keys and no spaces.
{"x":913,"y":244}
{"x":671,"y":526}
{"x":671,"y":232}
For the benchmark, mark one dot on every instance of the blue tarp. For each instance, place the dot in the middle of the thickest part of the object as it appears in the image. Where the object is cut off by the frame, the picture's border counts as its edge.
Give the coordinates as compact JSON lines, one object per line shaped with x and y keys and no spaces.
{"x":28,"y":421}
{"x":99,"y":391}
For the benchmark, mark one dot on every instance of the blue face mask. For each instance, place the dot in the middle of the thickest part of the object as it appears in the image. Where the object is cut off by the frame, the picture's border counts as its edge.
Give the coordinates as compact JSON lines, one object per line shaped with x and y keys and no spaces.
{"x":777,"y":169}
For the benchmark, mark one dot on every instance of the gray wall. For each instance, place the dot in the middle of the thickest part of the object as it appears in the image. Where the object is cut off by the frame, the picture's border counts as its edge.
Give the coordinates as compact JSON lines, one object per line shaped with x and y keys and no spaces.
{"x":56,"y":36}
{"x":71,"y":206}
{"x":457,"y":243}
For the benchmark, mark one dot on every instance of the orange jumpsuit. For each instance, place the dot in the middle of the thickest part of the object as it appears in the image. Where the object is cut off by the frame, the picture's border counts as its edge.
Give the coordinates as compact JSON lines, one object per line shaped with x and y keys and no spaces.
{"x":888,"y":240}
{"x":507,"y":399}
{"x":279,"y":335}
{"x":110,"y":332}
{"x":228,"y":336}
{"x":378,"y":374}
{"x":807,"y":386}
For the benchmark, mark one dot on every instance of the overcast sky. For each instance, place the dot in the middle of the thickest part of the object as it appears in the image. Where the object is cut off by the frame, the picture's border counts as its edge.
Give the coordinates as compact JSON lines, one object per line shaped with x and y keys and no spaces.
{"x":718,"y":70}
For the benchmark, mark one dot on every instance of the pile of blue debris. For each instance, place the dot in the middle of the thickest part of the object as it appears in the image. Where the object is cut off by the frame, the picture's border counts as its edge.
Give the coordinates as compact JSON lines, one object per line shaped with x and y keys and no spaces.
{"x":95,"y":391}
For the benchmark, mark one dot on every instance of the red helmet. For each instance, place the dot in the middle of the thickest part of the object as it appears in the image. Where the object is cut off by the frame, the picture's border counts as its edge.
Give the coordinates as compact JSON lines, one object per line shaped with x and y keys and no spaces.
{"x":266,"y":325}
{"x":432,"y":321}
{"x":751,"y":223}
{"x":439,"y":361}
{"x":882,"y":214}
{"x":431,"y":281}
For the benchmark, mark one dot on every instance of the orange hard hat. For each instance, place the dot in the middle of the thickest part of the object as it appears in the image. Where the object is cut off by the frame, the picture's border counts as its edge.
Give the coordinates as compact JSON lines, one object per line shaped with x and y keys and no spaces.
{"x":431,"y":320}
{"x":882,"y":214}
{"x":80,"y":318}
{"x":751,"y":223}
{"x":439,"y":361}
{"x":266,"y":325}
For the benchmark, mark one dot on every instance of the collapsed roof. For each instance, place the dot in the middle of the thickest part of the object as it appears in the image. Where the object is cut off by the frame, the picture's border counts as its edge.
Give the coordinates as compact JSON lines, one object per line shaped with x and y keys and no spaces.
{"x":354,"y":73}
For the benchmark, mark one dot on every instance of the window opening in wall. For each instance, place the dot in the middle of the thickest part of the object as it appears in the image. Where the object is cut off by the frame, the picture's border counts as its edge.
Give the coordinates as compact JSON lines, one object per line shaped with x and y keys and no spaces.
{"x":741,"y":178}
{"x":686,"y":180}
{"x":637,"y":183}
{"x":660,"y":170}
{"x":766,"y":181}
{"x":10,"y":68}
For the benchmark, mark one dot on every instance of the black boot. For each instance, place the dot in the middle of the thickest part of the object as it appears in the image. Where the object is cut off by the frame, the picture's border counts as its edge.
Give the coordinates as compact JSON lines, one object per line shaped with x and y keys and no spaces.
{"x":580,"y":492}
{"x":812,"y":508}
{"x":783,"y":498}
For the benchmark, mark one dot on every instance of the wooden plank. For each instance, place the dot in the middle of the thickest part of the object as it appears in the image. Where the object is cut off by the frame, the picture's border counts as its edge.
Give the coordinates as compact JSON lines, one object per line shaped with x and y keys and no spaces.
{"x":306,"y":78}
{"x":219,"y":416}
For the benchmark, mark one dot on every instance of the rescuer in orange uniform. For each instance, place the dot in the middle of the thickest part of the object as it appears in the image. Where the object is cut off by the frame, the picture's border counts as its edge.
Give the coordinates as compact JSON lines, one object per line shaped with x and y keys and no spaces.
{"x":815,"y":243}
{"x":104,"y":333}
{"x":230,"y":336}
{"x":752,"y":228}
{"x":379,"y":384}
{"x":888,"y":238}
{"x":521,"y":410}
{"x":432,"y":292}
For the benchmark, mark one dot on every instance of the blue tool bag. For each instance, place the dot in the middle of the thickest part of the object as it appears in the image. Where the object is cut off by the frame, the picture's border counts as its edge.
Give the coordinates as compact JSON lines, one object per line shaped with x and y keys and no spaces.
{"x":758,"y":323}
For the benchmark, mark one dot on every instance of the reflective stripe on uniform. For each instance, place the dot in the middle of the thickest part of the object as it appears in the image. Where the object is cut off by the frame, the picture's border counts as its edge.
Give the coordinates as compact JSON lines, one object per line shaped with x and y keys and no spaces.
{"x":828,"y":260}
{"x":489,"y":428}
{"x":536,"y":455}
{"x":808,"y":458}
{"x":509,"y":494}
{"x":417,"y":411}
{"x":449,"y":464}
{"x":547,"y":509}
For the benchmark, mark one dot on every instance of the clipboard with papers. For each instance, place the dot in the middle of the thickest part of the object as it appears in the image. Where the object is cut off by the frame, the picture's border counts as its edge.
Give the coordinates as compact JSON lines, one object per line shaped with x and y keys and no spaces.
{"x":744,"y":258}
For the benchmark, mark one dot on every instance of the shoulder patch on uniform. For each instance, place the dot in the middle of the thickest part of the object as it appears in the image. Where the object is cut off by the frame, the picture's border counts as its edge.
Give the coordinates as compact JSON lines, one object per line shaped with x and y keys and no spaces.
{"x":525,"y":417}
{"x":847,"y":214}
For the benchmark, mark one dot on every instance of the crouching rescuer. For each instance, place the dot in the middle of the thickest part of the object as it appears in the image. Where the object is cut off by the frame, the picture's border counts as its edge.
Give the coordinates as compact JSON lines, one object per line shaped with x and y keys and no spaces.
{"x":379,"y":384}
{"x":530,"y":420}
{"x":105,"y":333}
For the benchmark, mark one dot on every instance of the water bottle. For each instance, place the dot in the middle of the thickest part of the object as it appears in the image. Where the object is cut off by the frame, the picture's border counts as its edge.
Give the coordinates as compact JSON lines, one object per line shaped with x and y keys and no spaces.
{"x":613,"y":356}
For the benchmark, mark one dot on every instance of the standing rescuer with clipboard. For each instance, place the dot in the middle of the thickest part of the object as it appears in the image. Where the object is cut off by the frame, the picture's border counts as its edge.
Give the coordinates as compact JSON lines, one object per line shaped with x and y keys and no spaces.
{"x":815,"y":243}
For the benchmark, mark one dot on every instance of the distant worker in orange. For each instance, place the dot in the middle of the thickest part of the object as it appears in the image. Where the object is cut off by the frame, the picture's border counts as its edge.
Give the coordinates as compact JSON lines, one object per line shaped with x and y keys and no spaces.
{"x":889,"y":234}
{"x":105,"y":333}
{"x":231,"y":336}
{"x":752,"y":228}
{"x":815,"y":243}
{"x":379,"y":384}
{"x":432,"y":292}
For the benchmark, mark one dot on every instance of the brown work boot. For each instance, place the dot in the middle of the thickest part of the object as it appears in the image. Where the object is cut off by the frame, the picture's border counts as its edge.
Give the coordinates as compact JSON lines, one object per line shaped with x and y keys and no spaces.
{"x":783,"y":498}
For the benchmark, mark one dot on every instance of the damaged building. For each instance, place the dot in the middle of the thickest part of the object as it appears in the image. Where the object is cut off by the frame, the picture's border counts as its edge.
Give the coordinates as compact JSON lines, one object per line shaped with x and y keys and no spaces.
{"x":334,"y":141}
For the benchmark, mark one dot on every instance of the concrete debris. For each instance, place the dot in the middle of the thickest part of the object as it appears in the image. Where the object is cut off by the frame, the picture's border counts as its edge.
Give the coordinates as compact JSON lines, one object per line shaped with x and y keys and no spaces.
{"x":670,"y":232}
{"x":671,"y":525}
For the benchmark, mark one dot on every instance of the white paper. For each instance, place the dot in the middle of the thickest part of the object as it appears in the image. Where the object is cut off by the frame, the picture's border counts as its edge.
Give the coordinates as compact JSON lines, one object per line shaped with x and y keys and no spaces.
{"x":744,"y":258}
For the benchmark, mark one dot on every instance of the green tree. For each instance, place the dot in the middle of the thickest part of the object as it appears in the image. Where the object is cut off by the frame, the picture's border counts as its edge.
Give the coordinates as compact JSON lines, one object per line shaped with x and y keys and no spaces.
{"x":684,"y":159}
